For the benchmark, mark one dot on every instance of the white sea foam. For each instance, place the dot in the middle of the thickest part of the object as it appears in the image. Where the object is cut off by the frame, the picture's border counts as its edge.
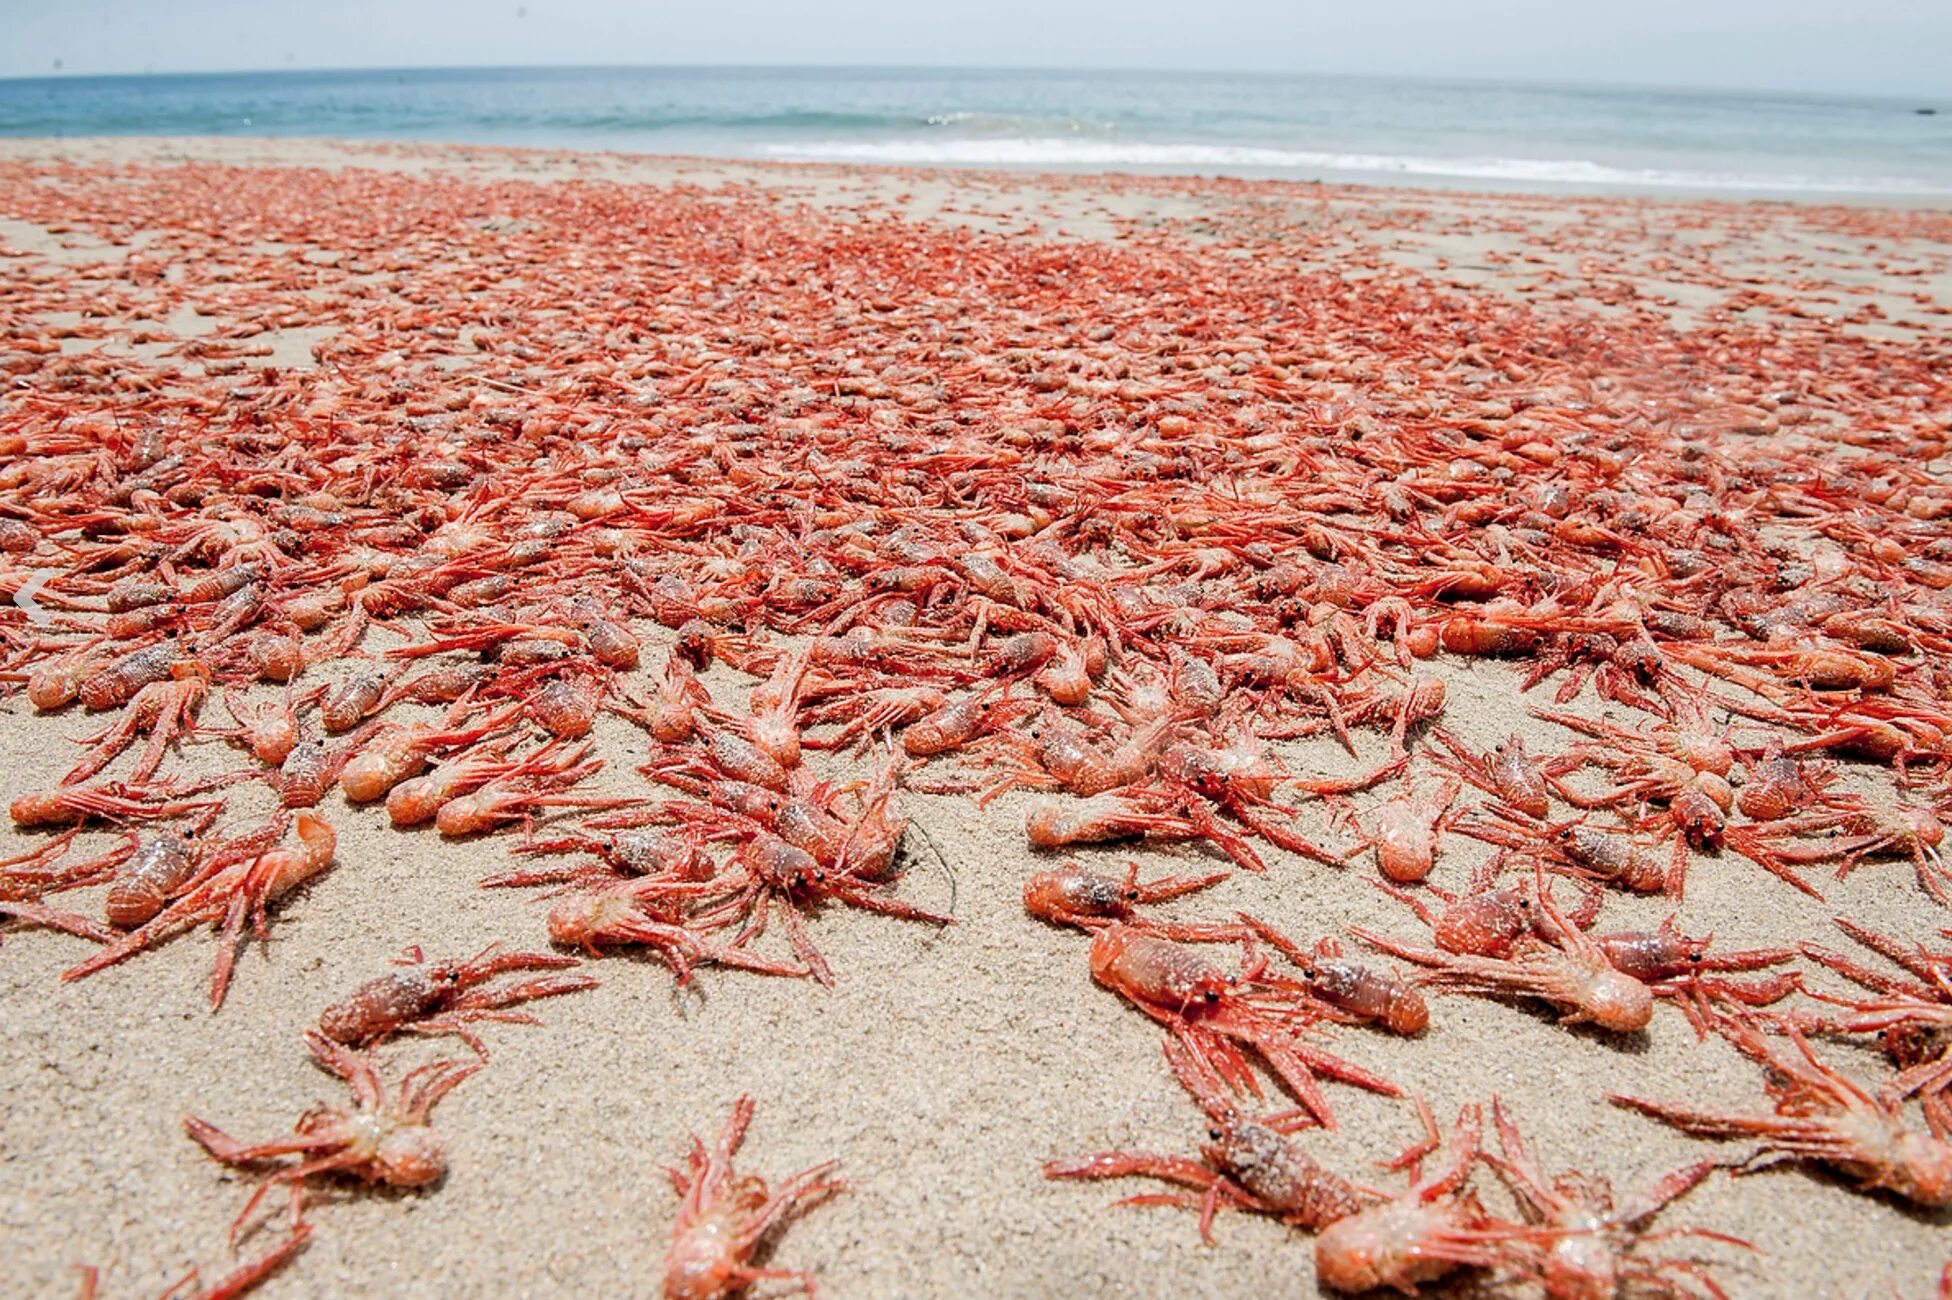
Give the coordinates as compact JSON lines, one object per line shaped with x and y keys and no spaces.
{"x":1108,"y":154}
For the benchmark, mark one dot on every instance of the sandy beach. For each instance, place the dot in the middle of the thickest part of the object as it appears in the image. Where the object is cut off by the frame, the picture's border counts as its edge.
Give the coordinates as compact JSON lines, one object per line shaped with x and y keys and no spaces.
{"x":945,"y":1066}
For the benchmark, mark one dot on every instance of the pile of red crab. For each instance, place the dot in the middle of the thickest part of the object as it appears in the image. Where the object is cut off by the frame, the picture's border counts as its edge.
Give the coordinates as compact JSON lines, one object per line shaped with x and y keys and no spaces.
{"x":1109,"y":523}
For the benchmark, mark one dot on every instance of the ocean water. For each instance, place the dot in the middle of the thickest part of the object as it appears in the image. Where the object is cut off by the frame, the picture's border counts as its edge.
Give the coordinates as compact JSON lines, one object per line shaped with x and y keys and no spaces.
{"x":1477,"y":135}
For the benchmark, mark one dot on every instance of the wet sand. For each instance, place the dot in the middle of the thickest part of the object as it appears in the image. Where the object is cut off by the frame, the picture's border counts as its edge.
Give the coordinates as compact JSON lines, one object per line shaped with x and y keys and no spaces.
{"x":944,"y":1067}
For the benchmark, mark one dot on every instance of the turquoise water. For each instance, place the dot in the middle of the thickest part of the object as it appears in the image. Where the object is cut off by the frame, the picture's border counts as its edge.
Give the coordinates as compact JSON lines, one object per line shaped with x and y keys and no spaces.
{"x":1480,"y":135}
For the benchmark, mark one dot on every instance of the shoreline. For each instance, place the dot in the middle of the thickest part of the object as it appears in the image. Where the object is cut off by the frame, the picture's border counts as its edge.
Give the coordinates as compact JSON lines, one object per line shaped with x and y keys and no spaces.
{"x":1463,"y":186}
{"x":944,"y":1066}
{"x":1514,"y":246}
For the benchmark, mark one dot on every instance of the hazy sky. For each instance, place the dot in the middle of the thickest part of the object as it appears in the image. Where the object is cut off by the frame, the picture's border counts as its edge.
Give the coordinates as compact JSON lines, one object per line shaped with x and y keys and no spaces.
{"x":1901,"y":47}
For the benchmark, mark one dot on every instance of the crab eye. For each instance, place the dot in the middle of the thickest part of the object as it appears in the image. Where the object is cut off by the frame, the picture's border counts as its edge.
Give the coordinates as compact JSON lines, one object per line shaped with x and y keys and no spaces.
{"x":1213,"y":1135}
{"x":1131,"y":895}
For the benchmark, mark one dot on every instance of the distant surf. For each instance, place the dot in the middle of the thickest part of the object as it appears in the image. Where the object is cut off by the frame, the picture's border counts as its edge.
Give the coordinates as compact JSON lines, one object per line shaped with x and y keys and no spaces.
{"x":1467,"y":134}
{"x":1101,"y":155}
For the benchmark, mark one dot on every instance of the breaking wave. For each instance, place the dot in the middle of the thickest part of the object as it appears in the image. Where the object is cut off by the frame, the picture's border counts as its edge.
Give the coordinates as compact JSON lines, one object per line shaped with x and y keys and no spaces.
{"x":1104,"y":154}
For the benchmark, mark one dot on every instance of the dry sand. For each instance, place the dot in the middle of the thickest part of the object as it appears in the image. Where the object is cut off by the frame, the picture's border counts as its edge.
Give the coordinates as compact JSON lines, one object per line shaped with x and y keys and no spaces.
{"x":944,"y":1067}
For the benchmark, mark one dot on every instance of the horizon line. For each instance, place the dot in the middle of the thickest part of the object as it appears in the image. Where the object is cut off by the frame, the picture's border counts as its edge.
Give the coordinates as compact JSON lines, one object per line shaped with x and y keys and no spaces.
{"x":1453,"y":78}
